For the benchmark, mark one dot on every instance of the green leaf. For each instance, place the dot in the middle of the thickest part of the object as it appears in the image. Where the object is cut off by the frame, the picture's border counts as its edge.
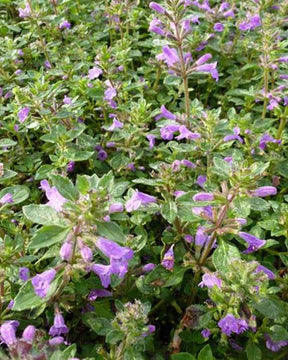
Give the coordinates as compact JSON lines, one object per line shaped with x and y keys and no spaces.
{"x":182,"y":356}
{"x":65,"y":187}
{"x":222,"y":256}
{"x":278,"y":333}
{"x":253,"y":352}
{"x":272,"y":308}
{"x":111,"y":230}
{"x":82,"y":184}
{"x":48,"y":235}
{"x":169,"y":211}
{"x":43,"y":215}
{"x":221,"y":167}
{"x":114,"y":336}
{"x":258,"y":204}
{"x":205,"y":353}
{"x":7,"y":142}
{"x":101,"y":326}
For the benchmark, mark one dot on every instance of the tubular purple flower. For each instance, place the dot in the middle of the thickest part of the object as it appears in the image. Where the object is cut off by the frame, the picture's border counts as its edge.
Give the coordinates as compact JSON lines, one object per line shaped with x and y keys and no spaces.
{"x":253,"y":242}
{"x":203,"y":197}
{"x":211,"y":68}
{"x":168,"y":259}
{"x":65,"y":25}
{"x":203,"y":210}
{"x":230,"y":324}
{"x":188,"y":238}
{"x":7,"y":198}
{"x":29,"y":333}
{"x":104,"y":273}
{"x":156,"y":7}
{"x":167,"y":132}
{"x":94,"y":294}
{"x":71,"y":166}
{"x":59,"y":326}
{"x":23,"y":114}
{"x":67,"y":100}
{"x":56,"y":341}
{"x":203,"y":59}
{"x":66,"y":251}
{"x":8,"y":332}
{"x":56,"y":200}
{"x":264,"y":191}
{"x":201,"y":236}
{"x":26,"y":12}
{"x":218,"y":27}
{"x":148,"y":267}
{"x":187,"y":134}
{"x":188,"y":164}
{"x":102,"y":155}
{"x":175,"y":166}
{"x":115,"y":125}
{"x":169,"y":56}
{"x":201,"y":180}
{"x":115,"y":207}
{"x":151,"y":138}
{"x":94,"y":73}
{"x":86,"y":253}
{"x":156,"y":27}
{"x":23,"y":273}
{"x":269,"y":273}
{"x":109,"y":248}
{"x":165,"y":114}
{"x":275,"y":346}
{"x":236,"y":136}
{"x":41,"y":282}
{"x":210,"y":280}
{"x":206,"y":333}
{"x":179,"y":193}
{"x":138,"y":199}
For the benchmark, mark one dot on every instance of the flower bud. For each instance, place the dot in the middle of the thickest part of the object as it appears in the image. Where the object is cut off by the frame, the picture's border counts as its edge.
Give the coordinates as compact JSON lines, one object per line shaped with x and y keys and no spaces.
{"x":264,"y":191}
{"x":203,"y":197}
{"x":66,"y":251}
{"x":156,"y":7}
{"x":29,"y":333}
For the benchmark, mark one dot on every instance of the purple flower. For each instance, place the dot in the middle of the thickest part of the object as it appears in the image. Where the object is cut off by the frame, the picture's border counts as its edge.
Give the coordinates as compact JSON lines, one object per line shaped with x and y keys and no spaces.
{"x":56,"y":341}
{"x":23,"y":273}
{"x":206,"y":333}
{"x":205,"y":211}
{"x":8,"y":332}
{"x":265,"y":139}
{"x":178,"y":193}
{"x":283,"y":59}
{"x":94,"y":294}
{"x":148,"y":267}
{"x":165,"y":114}
{"x":47,"y":65}
{"x":7,"y":198}
{"x":275,"y":346}
{"x":20,"y":52}
{"x":104,"y":273}
{"x":269,"y":273}
{"x":29,"y":333}
{"x":167,"y":131}
{"x":187,"y":134}
{"x":218,"y":27}
{"x":168,"y":259}
{"x":211,"y":68}
{"x":201,"y":180}
{"x":156,"y":7}
{"x":115,"y":125}
{"x":201,"y":237}
{"x":26,"y":12}
{"x":71,"y":166}
{"x":273,"y":103}
{"x":156,"y":27}
{"x":188,"y":238}
{"x":203,"y":59}
{"x":41,"y":282}
{"x":65,"y":25}
{"x":94,"y":73}
{"x":151,"y":139}
{"x":253,"y":22}
{"x":253,"y":242}
{"x":102,"y":155}
{"x":66,"y":251}
{"x":85,"y":252}
{"x":112,"y":250}
{"x":228,"y":159}
{"x":169,"y":56}
{"x":138,"y":199}
{"x":175,"y":166}
{"x":115,"y":207}
{"x":67,"y":100}
{"x":56,"y":200}
{"x":210,"y":280}
{"x":23,"y":114}
{"x":202,"y":196}
{"x":59,"y":326}
{"x":230,"y":324}
{"x":236,"y":136}
{"x":264,"y":191}
{"x":110,"y":92}
{"x":188,"y":164}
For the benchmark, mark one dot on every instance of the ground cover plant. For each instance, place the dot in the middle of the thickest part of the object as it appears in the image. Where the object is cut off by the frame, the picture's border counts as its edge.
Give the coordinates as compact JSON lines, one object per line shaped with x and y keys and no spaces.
{"x":143,"y":179}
